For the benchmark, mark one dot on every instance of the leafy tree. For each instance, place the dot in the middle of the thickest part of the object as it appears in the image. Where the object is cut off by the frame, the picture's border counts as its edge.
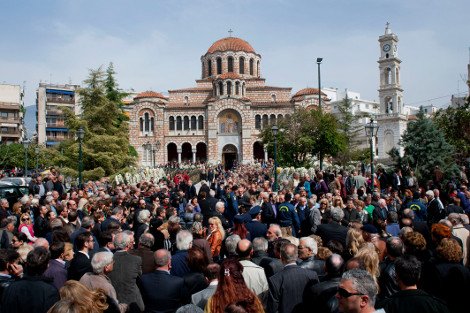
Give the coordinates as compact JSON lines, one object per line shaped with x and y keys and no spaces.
{"x":13,"y":155}
{"x":305,"y":134}
{"x":455,"y":124}
{"x":105,"y":148}
{"x":349,"y":127}
{"x":424,"y":148}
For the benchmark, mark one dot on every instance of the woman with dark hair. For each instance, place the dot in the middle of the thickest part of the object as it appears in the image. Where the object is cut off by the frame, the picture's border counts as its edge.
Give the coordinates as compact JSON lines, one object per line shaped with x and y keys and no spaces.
{"x":232,"y":289}
{"x":195,"y":280}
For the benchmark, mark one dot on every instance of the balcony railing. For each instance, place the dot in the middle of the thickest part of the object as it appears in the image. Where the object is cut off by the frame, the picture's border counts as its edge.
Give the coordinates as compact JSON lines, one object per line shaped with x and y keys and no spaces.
{"x":60,"y":100}
{"x":56,"y":125}
{"x":56,"y":139}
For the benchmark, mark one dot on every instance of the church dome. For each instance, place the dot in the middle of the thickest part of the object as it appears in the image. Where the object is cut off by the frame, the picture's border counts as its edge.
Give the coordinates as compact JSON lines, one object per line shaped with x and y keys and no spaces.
{"x":150,"y":94}
{"x":231,"y":44}
{"x":308,"y":91}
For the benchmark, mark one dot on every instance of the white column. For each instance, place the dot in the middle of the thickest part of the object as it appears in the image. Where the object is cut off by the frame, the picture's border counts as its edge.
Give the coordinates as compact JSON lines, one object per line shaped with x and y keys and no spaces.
{"x":265,"y":153}
{"x":194,"y":155}
{"x":179,"y":154}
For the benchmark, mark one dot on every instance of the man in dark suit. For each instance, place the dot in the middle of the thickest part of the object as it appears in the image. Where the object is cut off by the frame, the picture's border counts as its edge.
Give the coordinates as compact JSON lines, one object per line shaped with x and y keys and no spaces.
{"x":232,"y":205}
{"x":333,"y":230}
{"x":212,"y":200}
{"x":211,"y":273}
{"x":275,"y":265}
{"x":146,"y":242}
{"x":288,"y":287}
{"x":81,"y":262}
{"x":117,"y":214}
{"x":127,"y":269}
{"x":255,"y":227}
{"x":171,"y":289}
{"x":87,"y":226}
{"x":204,"y":187}
{"x":268,"y":210}
{"x":56,"y":269}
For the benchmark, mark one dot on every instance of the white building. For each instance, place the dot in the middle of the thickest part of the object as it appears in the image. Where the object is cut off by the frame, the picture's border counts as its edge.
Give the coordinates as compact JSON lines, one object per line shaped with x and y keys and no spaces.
{"x":11,"y":114}
{"x":51,"y":128}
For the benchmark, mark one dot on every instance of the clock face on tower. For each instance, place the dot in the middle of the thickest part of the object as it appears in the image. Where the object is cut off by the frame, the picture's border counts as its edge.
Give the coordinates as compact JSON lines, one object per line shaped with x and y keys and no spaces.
{"x":386,"y":48}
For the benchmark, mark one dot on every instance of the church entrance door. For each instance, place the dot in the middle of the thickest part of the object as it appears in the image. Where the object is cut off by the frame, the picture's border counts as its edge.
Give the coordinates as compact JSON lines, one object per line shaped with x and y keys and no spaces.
{"x":229,"y":156}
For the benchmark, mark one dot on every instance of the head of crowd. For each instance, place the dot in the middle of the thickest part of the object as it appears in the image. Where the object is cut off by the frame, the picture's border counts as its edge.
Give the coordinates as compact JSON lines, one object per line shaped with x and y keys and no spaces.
{"x":235,"y":241}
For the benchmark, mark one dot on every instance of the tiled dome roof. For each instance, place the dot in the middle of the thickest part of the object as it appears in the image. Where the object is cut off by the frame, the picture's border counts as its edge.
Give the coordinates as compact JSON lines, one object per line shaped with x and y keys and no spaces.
{"x":308,"y":91}
{"x":231,"y":43}
{"x":150,"y":94}
{"x":229,"y":75}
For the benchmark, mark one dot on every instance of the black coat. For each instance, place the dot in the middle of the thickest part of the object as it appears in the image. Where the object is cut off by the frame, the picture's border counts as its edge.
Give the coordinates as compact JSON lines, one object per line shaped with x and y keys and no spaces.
{"x":171,"y":292}
{"x":267,"y":213}
{"x":288,"y":289}
{"x":414,"y":300}
{"x":31,"y":294}
{"x":79,"y":266}
{"x":320,"y":294}
{"x":332,"y":231}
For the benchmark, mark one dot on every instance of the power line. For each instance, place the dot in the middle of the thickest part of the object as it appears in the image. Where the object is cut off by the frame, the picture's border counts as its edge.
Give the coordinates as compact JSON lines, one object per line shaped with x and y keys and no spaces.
{"x":460,"y":93}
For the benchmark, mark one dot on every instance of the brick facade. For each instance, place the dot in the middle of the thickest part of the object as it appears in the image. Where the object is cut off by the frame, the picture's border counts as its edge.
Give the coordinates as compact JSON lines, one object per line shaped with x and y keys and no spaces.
{"x":199,"y":123}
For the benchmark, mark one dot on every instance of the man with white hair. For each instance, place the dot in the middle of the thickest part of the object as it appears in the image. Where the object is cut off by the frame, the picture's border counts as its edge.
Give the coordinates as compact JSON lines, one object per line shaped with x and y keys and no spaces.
{"x":380,"y":212}
{"x":127,"y":269}
{"x":461,"y":232}
{"x":103,"y":264}
{"x":308,"y":250}
{"x":184,"y":241}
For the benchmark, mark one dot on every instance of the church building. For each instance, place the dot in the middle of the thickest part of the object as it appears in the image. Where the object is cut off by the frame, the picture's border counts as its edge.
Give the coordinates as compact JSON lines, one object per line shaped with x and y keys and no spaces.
{"x":219,"y":119}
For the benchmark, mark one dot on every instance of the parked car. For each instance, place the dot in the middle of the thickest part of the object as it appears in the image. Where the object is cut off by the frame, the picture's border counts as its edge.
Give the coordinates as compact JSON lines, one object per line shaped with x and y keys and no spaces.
{"x":18,"y":181}
{"x":12,"y":192}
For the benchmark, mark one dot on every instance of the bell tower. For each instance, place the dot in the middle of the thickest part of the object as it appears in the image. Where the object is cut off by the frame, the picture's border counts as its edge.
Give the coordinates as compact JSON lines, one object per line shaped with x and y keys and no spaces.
{"x":390,"y":92}
{"x":391,"y":119}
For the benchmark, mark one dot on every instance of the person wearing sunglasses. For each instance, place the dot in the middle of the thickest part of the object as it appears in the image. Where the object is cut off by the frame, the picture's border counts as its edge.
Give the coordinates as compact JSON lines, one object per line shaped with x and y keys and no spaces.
{"x":26,"y":227}
{"x":357,"y":292}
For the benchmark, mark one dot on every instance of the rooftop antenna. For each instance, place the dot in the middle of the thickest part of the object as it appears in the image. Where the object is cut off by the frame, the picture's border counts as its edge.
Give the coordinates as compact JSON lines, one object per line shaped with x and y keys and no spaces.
{"x":230,"y":31}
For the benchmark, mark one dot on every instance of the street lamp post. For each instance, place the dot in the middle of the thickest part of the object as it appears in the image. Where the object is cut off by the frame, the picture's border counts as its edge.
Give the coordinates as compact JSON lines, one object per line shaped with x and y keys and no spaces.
{"x":319,"y":104}
{"x":156,"y":149}
{"x":80,"y":134}
{"x":26,"y":143}
{"x":371,"y":131}
{"x":37,"y":159}
{"x":274,"y":131}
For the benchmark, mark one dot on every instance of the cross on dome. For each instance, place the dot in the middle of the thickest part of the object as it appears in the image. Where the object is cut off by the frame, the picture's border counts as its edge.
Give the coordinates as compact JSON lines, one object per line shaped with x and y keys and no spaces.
{"x":230,"y":31}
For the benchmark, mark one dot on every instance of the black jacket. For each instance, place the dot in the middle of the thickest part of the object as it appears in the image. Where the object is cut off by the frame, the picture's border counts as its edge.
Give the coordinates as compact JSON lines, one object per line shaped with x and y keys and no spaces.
{"x":171,"y":292}
{"x":412,"y":301}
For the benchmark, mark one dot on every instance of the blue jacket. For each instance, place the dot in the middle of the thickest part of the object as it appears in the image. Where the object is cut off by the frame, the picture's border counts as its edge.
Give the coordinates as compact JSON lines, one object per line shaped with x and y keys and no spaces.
{"x":232,"y":203}
{"x":287,"y":216}
{"x":419,"y":209}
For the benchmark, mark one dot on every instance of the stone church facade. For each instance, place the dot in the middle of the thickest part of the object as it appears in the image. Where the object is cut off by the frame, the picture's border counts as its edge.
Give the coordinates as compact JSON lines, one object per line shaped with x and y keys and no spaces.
{"x":220,"y":118}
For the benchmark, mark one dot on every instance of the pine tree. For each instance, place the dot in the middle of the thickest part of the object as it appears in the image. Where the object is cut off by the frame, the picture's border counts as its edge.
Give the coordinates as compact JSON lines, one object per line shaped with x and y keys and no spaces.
{"x":424,"y":148}
{"x":105,"y":148}
{"x":349,"y":127}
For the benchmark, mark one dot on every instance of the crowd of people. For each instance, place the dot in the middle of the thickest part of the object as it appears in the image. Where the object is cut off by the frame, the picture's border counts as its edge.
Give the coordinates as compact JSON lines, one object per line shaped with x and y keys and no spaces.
{"x":235,"y":242}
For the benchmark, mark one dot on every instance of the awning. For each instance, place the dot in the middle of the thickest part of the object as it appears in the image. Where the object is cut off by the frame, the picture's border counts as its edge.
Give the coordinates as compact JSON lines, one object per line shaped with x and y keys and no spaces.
{"x":66,"y":92}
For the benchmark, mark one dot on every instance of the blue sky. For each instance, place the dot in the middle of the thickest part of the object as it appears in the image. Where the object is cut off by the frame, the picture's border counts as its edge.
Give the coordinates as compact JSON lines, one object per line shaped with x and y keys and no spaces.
{"x":157,"y":45}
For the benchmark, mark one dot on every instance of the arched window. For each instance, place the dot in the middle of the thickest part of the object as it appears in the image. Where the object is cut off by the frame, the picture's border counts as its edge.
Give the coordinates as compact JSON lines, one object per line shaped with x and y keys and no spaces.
{"x":152,"y":122}
{"x":229,"y":88}
{"x":193,"y":123}
{"x":273,"y":97}
{"x":265,"y":120}
{"x":230,"y":64}
{"x":272,"y":119}
{"x":243,"y":89}
{"x":172,"y":123}
{"x":186,"y":123}
{"x":186,"y":100}
{"x":241,"y":69}
{"x":237,"y":88}
{"x":257,"y":121}
{"x":179,"y":124}
{"x":146,"y":122}
{"x":209,"y":68}
{"x":388,"y":76}
{"x":219,"y":66}
{"x":200,"y":122}
{"x":279,"y":117}
{"x":221,"y":88}
{"x":257,"y":69}
{"x":251,"y":66}
{"x":141,"y":124}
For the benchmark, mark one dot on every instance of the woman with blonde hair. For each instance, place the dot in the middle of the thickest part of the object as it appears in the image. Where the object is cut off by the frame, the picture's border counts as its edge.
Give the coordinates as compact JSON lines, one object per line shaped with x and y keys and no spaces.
{"x":324,"y":211}
{"x":354,"y":242}
{"x":370,"y":257}
{"x":216,"y":236}
{"x":338,"y":202}
{"x":91,"y":301}
{"x":26,"y":227}
{"x":83,"y":205}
